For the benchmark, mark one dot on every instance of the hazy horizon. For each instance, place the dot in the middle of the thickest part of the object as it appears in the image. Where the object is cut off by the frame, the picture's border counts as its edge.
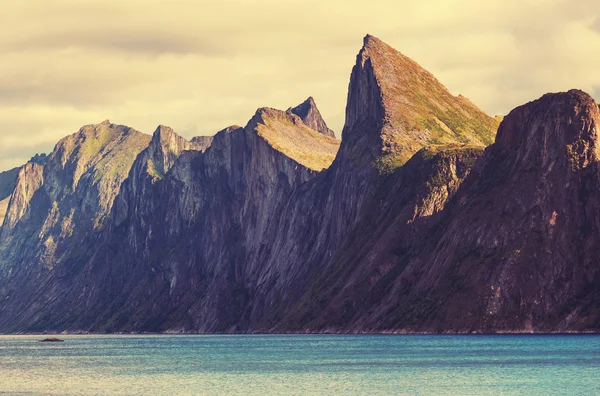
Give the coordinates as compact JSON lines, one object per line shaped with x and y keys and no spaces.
{"x":201,"y":66}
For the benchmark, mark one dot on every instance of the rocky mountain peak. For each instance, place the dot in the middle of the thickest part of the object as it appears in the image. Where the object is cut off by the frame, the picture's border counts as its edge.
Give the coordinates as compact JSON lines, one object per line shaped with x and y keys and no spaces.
{"x":29,"y":179}
{"x":310,"y":115}
{"x":203,"y":142}
{"x":395,"y":107}
{"x":557,"y":129}
{"x":415,"y":227}
{"x":8,"y":181}
{"x":164,"y":149}
{"x":163,"y":133}
{"x":39,"y":159}
{"x":372,"y":43}
{"x":88,"y":141}
{"x":286,"y":132}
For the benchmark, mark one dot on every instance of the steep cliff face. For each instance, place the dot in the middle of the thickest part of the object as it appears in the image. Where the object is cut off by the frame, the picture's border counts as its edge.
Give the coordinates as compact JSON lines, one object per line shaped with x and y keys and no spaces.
{"x":182,"y":233}
{"x":202,"y":142}
{"x":517,"y":250}
{"x":58,"y":202}
{"x":8,"y":181}
{"x":311,"y":117}
{"x":212,"y":216}
{"x":150,"y":166}
{"x":395,"y":108}
{"x":408,"y":224}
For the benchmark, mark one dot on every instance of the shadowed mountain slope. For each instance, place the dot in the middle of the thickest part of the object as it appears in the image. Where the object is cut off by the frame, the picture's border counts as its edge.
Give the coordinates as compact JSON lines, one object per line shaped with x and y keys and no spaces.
{"x":408,"y":224}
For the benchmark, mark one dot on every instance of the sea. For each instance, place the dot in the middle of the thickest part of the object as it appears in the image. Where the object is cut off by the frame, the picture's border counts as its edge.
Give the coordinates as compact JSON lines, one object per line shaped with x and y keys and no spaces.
{"x":301,"y":365}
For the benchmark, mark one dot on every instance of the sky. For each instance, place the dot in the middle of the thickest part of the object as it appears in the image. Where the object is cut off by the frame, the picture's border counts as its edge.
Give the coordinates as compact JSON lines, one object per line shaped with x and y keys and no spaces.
{"x":199,"y":66}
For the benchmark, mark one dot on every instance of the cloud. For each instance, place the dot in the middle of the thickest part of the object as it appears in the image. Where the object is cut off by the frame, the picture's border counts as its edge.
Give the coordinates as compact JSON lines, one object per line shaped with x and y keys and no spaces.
{"x":199,"y":66}
{"x":596,"y":24}
{"x":145,"y":42}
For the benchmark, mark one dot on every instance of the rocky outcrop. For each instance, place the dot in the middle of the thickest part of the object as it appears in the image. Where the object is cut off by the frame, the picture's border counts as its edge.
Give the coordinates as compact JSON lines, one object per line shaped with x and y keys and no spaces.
{"x":408,"y":224}
{"x":8,"y":181}
{"x":396,"y":108}
{"x":151,"y":165}
{"x":60,"y":202}
{"x":287,"y":133}
{"x":311,"y":116}
{"x":517,"y":249}
{"x":204,"y":142}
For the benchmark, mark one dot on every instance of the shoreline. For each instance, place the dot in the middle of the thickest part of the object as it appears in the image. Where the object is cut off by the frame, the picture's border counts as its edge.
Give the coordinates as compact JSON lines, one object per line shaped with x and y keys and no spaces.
{"x":399,"y":333}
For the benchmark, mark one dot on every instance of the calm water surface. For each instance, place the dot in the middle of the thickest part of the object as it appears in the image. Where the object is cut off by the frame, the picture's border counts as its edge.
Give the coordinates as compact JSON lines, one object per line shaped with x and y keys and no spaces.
{"x":302,"y":364}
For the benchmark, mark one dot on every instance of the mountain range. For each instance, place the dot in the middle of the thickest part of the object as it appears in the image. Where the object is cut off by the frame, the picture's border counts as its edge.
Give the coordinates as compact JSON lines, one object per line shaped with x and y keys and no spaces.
{"x":428,"y":216}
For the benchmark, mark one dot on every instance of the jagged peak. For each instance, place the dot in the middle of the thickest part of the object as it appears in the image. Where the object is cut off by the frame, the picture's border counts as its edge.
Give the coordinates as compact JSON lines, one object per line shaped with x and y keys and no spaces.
{"x":165,"y":148}
{"x":165,"y":135}
{"x":303,"y":108}
{"x":556,"y":129}
{"x":374,"y":47}
{"x":270,"y":112}
{"x":228,"y":129}
{"x":395,"y":107}
{"x":268,"y":115}
{"x":372,"y":42}
{"x":92,"y":138}
{"x":8,"y":180}
{"x":264,"y":115}
{"x":311,"y":116}
{"x":285,"y":132}
{"x":163,"y":130}
{"x":102,"y":151}
{"x":98,"y":130}
{"x":29,"y":179}
{"x":203,"y":142}
{"x":39,"y":159}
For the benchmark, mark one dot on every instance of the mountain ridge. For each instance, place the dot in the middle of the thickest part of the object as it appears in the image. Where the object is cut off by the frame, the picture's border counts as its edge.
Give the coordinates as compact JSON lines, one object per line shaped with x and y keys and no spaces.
{"x":408,"y":224}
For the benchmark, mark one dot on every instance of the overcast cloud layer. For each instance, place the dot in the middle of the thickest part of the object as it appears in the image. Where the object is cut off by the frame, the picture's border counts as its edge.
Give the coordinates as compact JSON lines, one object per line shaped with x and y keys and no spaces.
{"x":199,"y":66}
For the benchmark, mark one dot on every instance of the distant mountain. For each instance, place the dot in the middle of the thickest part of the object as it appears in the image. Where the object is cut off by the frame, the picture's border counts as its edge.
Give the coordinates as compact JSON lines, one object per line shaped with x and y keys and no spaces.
{"x":310,"y":115}
{"x":8,"y":181}
{"x":408,"y":224}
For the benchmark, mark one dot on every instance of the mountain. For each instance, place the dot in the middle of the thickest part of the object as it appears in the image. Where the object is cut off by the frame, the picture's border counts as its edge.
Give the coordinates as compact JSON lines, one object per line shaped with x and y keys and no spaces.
{"x":186,"y":210}
{"x":8,"y":181}
{"x":402,"y":108}
{"x":311,"y":117}
{"x":517,"y":249}
{"x":59,"y":201}
{"x":408,"y":224}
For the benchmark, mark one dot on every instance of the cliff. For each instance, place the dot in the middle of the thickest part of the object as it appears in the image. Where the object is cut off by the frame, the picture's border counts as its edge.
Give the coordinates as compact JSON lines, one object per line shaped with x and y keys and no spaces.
{"x":8,"y":181}
{"x":408,"y":224}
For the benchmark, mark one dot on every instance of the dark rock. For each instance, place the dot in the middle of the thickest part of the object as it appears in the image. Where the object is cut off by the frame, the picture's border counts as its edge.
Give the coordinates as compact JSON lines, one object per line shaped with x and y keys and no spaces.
{"x":8,"y":182}
{"x":310,"y":115}
{"x":52,"y":340}
{"x":411,"y":225}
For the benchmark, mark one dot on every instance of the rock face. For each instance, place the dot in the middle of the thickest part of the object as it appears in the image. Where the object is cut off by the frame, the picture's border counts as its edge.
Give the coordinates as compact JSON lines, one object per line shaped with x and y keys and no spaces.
{"x":202,"y":142}
{"x":58,"y":203}
{"x":8,"y":181}
{"x":398,"y":108}
{"x":408,"y":224}
{"x":311,"y":117}
{"x":52,"y":339}
{"x":517,"y":249}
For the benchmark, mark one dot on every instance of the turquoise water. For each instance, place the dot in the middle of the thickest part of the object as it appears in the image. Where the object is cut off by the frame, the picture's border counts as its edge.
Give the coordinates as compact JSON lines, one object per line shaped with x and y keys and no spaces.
{"x":301,"y":364}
